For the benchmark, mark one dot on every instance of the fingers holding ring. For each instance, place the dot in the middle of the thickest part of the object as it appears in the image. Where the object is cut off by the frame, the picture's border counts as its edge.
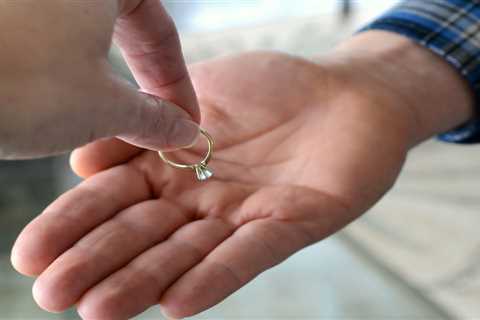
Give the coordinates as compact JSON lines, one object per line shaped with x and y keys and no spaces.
{"x":201,"y":170}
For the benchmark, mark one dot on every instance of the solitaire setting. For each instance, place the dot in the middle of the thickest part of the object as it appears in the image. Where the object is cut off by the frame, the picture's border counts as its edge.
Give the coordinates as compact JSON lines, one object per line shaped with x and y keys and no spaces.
{"x":202,"y":171}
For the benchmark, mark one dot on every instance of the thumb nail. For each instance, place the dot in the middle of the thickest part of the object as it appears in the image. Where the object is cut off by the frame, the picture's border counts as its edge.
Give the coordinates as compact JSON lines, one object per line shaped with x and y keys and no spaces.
{"x":183,"y":134}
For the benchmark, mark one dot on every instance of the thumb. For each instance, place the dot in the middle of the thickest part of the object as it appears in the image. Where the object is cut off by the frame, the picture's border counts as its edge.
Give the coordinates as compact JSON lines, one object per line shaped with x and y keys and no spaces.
{"x":148,"y":121}
{"x":73,"y":113}
{"x":141,"y":119}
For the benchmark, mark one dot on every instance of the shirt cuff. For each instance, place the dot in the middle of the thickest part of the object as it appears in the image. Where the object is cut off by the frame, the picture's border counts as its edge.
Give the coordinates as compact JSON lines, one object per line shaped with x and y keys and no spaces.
{"x":451,"y":29}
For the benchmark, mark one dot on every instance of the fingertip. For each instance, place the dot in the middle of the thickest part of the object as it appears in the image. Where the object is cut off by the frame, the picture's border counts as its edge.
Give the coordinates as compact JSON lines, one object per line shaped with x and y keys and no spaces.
{"x":41,"y":295}
{"x":171,"y":313}
{"x":27,"y":257}
{"x":89,"y":159}
{"x":159,"y":124}
{"x":76,"y":164}
{"x":101,"y":155}
{"x":21,"y":263}
{"x":84,"y":311}
{"x":176,"y":307}
{"x":90,"y":309}
{"x":85,"y":162}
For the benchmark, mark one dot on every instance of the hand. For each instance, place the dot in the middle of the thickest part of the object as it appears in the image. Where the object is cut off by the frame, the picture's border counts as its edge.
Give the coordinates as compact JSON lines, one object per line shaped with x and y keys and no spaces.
{"x":298,"y":156}
{"x":302,"y":150}
{"x":58,"y":90}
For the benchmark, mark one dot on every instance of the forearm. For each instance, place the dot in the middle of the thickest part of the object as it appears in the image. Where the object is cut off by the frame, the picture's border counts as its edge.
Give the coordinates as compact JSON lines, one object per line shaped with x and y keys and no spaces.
{"x":436,"y":96}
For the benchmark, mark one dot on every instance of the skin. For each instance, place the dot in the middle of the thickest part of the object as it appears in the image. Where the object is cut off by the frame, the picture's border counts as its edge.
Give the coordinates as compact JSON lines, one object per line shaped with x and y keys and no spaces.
{"x":59,"y":92}
{"x":302,"y":149}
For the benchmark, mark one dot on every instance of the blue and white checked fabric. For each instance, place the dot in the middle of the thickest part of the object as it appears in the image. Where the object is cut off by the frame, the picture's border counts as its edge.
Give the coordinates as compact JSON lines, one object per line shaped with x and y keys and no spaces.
{"x":451,"y":29}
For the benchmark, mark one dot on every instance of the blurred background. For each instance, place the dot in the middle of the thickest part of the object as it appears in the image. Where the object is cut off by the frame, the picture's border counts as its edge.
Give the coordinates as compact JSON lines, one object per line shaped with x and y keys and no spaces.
{"x":416,"y":255}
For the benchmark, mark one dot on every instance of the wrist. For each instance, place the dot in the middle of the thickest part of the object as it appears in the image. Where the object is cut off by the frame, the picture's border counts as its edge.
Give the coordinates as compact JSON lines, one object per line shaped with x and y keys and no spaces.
{"x":411,"y":79}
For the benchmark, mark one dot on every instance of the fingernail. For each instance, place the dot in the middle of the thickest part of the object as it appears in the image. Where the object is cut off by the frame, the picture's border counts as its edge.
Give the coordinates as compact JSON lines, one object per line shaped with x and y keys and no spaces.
{"x":167,"y":316}
{"x":184,"y":134}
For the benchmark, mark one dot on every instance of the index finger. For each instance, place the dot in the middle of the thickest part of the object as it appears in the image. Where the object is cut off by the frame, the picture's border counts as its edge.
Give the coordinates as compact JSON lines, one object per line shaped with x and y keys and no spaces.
{"x":149,"y":42}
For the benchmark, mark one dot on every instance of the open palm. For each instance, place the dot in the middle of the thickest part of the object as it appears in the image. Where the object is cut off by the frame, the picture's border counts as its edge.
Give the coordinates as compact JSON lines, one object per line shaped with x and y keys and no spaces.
{"x":298,"y":156}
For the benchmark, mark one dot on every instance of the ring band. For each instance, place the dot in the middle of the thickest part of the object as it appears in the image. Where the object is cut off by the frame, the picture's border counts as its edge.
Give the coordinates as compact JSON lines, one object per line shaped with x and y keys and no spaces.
{"x":201,"y":170}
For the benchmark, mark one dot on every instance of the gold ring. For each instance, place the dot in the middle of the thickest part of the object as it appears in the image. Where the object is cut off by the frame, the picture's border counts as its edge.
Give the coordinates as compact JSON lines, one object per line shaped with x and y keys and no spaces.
{"x":201,"y":170}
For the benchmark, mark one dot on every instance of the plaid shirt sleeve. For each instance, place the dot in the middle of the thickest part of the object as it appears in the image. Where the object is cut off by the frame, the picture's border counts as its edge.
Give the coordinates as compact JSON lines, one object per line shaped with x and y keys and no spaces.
{"x":451,"y":29}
